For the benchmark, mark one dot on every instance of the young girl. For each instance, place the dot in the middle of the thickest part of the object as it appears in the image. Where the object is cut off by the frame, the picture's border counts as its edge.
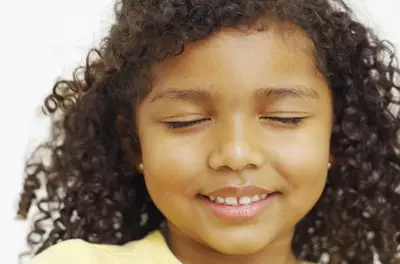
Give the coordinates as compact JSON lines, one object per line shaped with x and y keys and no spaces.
{"x":230,"y":131}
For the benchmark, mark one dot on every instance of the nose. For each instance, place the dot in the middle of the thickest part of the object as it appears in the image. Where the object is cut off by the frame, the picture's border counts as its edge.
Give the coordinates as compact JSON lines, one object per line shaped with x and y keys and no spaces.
{"x":236,"y":147}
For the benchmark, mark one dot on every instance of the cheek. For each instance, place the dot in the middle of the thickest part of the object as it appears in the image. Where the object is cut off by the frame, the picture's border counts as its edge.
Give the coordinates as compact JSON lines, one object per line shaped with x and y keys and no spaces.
{"x":171,"y":165}
{"x":303,"y":163}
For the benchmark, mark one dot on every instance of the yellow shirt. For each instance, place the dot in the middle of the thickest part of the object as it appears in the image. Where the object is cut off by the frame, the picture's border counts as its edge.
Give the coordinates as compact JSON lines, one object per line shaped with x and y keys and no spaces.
{"x":152,"y":249}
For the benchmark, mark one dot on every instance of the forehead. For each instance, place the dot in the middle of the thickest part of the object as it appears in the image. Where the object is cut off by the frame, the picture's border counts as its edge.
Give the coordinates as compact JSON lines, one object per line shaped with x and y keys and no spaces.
{"x":268,"y":55}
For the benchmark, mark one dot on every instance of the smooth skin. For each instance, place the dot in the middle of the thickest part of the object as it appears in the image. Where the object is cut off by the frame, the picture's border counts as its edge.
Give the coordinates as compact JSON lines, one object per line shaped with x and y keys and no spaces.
{"x":236,"y":109}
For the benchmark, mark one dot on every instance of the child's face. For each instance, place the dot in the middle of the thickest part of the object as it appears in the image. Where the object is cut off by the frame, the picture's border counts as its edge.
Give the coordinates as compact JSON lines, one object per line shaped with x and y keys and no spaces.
{"x":250,"y":91}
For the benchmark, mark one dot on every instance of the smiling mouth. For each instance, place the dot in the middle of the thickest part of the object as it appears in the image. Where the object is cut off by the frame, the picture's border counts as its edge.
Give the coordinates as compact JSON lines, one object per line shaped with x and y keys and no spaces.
{"x":239,"y":208}
{"x":237,"y":201}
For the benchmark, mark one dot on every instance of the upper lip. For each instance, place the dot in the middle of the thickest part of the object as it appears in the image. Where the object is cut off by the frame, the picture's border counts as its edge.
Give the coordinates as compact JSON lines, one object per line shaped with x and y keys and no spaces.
{"x":239,"y":191}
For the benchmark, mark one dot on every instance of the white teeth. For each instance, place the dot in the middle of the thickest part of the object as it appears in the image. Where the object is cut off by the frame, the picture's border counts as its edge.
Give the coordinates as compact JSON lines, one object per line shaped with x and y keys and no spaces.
{"x":237,"y":200}
{"x":231,"y":200}
{"x":244,"y":200}
{"x":255,"y":198}
{"x":220,"y":200}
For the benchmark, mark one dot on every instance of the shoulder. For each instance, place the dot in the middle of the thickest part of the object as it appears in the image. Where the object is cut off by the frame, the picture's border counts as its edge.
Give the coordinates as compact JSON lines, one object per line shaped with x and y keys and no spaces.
{"x":79,"y":252}
{"x":69,"y":251}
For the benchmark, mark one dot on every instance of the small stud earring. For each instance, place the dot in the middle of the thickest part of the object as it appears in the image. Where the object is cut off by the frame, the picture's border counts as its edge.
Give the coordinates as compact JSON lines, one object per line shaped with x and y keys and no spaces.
{"x":329,"y":165}
{"x":397,"y":190}
{"x":141,"y":167}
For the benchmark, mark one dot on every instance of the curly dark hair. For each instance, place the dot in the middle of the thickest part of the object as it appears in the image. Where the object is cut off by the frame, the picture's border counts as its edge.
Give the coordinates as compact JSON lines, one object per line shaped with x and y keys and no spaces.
{"x":93,"y":192}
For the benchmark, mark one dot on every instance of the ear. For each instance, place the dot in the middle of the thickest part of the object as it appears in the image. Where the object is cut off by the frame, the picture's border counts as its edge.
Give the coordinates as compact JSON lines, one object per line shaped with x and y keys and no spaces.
{"x":129,"y":140}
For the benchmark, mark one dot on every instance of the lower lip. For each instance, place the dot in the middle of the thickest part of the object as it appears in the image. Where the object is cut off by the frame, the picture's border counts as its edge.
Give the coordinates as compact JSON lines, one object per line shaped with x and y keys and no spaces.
{"x":239,"y":212}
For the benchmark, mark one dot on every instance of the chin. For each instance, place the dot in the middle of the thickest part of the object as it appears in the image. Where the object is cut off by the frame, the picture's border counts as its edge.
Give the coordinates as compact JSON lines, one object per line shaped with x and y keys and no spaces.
{"x":233,"y":248}
{"x":239,"y":245}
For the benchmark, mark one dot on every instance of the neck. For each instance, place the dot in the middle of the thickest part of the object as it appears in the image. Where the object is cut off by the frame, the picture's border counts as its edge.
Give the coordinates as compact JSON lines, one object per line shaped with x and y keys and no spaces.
{"x":189,"y":251}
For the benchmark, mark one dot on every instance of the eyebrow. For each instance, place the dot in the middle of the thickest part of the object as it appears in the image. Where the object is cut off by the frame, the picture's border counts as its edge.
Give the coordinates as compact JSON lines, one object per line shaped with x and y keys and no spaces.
{"x":186,"y":95}
{"x":301,"y":92}
{"x":277,"y":93}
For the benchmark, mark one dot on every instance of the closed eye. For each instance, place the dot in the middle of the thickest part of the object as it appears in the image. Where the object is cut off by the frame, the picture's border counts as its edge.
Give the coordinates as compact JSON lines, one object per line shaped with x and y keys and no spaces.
{"x":285,"y":120}
{"x":185,"y":124}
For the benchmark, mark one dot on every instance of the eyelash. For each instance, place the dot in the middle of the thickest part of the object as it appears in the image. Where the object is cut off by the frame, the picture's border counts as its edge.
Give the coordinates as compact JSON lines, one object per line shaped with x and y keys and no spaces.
{"x":177,"y":125}
{"x":292,"y":121}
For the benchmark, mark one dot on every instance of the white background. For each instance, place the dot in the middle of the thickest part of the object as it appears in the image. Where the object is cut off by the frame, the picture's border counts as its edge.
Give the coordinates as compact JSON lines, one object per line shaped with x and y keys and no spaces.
{"x":43,"y":40}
